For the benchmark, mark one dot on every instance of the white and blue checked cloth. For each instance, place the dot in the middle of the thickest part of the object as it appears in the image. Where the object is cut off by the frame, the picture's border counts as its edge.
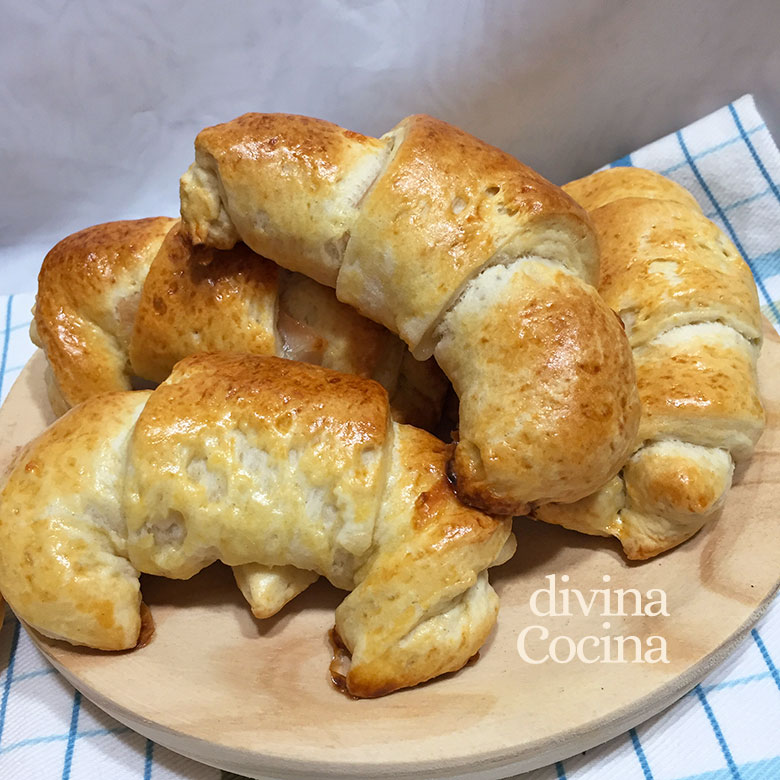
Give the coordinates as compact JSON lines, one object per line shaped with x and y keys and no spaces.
{"x":727,"y":728}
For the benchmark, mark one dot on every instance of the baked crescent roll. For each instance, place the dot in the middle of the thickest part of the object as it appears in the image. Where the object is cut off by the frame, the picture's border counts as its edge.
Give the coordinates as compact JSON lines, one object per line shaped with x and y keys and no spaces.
{"x":129,"y":299}
{"x":464,"y":252}
{"x":691,"y":312}
{"x":252,"y":460}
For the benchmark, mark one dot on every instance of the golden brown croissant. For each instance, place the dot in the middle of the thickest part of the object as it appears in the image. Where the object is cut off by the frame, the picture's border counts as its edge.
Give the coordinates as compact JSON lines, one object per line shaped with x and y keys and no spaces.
{"x":690,"y":308}
{"x":252,"y":460}
{"x":131,"y":298}
{"x":465,"y":253}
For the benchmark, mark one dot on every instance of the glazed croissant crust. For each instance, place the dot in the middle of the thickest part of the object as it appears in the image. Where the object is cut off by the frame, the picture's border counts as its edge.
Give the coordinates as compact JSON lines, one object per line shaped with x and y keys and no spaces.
{"x":464,"y":252}
{"x":252,"y":460}
{"x":129,"y":299}
{"x":691,"y":311}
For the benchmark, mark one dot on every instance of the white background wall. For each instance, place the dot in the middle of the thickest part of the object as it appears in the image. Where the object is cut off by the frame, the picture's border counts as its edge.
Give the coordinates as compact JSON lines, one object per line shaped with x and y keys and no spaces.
{"x":100,"y":100}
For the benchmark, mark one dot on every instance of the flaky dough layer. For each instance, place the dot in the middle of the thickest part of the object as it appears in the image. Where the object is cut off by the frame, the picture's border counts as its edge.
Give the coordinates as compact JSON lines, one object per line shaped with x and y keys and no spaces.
{"x":408,"y":228}
{"x":255,"y":462}
{"x":690,"y":308}
{"x":126,"y":300}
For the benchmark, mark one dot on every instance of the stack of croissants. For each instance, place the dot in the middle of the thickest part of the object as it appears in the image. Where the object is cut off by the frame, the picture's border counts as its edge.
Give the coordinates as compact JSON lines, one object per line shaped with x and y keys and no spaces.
{"x":259,"y":383}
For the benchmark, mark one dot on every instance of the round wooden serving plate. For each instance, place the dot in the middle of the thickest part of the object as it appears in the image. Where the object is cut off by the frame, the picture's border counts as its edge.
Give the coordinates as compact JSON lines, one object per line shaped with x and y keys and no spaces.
{"x":254,"y":697}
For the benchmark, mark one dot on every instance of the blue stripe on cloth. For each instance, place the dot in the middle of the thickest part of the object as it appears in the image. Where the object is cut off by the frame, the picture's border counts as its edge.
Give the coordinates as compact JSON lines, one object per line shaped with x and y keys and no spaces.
{"x":718,"y":733}
{"x":22,"y":743}
{"x":560,"y":770}
{"x":766,"y":769}
{"x":18,"y":326}
{"x":753,"y":153}
{"x":36,"y":673}
{"x":74,"y":722}
{"x":148,"y":759}
{"x":640,"y":754}
{"x":734,"y":237}
{"x":769,"y":262}
{"x":738,"y":681}
{"x":737,"y":203}
{"x":622,"y":162}
{"x":9,"y":673}
{"x":6,"y":340}
{"x":765,"y":655}
{"x":711,"y":149}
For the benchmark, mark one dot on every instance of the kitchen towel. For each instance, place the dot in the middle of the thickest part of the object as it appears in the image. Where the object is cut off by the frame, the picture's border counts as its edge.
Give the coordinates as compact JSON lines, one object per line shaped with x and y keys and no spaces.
{"x":726,"y":728}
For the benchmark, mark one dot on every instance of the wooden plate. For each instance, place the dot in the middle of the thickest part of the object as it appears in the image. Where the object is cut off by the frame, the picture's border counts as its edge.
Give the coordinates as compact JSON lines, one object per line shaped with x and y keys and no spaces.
{"x":255,"y":697}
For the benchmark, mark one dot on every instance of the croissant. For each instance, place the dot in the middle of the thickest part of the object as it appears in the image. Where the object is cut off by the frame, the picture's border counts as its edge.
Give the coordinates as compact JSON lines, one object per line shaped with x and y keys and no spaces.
{"x":129,"y":299}
{"x":464,"y":252}
{"x":690,"y":307}
{"x":249,"y":459}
